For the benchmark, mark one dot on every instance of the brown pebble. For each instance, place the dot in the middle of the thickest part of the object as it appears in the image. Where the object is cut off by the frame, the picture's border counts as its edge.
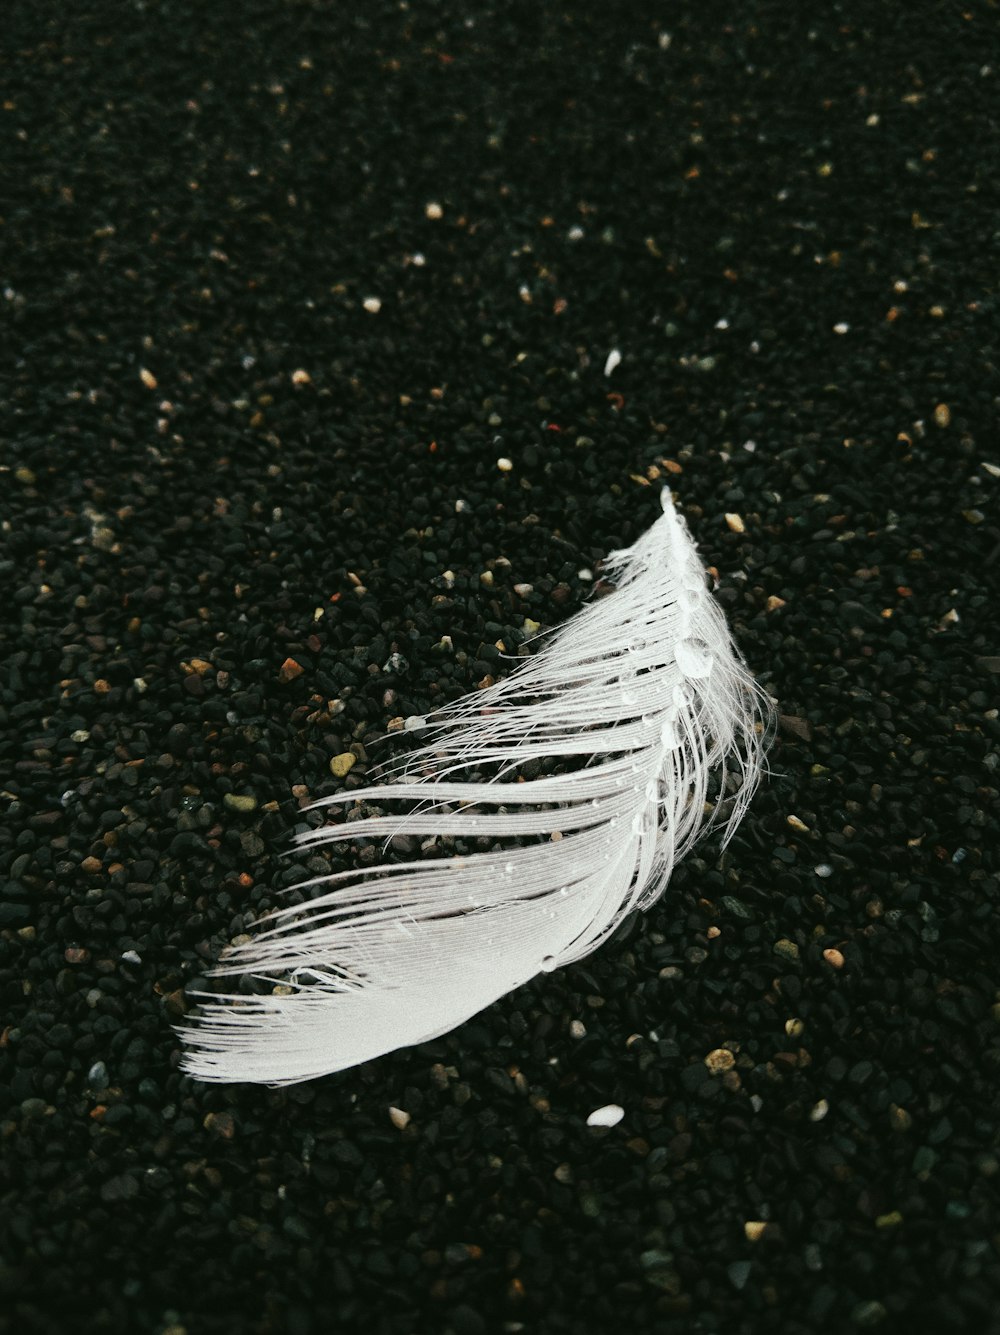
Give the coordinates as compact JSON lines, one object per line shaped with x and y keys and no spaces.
{"x":797,"y":726}
{"x":834,"y":958}
{"x":942,"y":415}
{"x":91,"y":865}
{"x":76,"y":955}
{"x":719,"y":1060}
{"x":101,"y":686}
{"x":289,"y":670}
{"x":221,"y":1123}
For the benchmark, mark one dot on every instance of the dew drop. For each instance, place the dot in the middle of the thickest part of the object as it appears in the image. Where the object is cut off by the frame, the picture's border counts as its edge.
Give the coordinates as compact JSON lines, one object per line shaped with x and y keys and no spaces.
{"x":683,"y":696}
{"x":548,"y":964}
{"x":694,"y":658}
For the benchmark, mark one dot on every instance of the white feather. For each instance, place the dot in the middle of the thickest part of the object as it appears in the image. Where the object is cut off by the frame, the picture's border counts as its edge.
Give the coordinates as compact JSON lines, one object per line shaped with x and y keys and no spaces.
{"x":647,"y":684}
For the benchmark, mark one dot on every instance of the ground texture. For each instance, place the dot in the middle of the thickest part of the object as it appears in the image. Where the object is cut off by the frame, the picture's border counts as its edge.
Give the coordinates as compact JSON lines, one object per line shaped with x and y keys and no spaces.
{"x":280,"y":284}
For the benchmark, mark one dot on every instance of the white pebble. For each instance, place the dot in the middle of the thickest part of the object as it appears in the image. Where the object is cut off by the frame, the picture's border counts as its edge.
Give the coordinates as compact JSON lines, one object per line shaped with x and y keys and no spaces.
{"x":614,"y":359}
{"x":841,"y":328}
{"x":433,"y":211}
{"x":610,"y":1115}
{"x":504,"y":465}
{"x":372,"y":305}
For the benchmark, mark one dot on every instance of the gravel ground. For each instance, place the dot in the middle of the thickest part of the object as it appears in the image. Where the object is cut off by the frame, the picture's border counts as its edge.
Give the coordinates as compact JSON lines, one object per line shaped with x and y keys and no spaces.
{"x":280,"y":285}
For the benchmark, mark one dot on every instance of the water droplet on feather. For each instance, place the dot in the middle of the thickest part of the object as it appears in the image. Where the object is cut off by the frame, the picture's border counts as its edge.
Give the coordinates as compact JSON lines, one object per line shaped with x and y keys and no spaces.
{"x":694,"y":658}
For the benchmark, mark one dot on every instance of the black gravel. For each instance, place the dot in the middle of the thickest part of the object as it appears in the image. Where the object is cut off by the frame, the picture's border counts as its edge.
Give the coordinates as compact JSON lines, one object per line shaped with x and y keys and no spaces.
{"x":229,"y":496}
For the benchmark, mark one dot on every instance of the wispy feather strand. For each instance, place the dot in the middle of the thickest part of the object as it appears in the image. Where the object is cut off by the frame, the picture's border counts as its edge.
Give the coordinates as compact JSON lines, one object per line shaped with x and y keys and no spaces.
{"x":645,"y":682}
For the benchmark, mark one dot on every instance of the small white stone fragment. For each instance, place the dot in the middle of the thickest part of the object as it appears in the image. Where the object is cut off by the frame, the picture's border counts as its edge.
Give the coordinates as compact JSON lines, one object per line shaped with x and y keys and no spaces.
{"x":841,"y":327}
{"x":577,"y":1029}
{"x":433,"y":211}
{"x":614,"y":359}
{"x":132,"y":957}
{"x":399,"y":1118}
{"x":735,"y":523}
{"x":505,"y":465}
{"x":372,"y":305}
{"x":819,"y":1111}
{"x":610,"y":1115}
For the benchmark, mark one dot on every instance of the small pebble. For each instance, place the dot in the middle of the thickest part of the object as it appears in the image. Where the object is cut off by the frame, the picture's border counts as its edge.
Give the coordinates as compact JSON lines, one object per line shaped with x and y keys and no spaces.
{"x":719,"y":1060}
{"x":610,"y":1115}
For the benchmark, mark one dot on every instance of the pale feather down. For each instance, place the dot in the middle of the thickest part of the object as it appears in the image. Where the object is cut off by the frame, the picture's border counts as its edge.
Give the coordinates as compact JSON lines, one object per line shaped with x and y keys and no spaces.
{"x":646,"y":684}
